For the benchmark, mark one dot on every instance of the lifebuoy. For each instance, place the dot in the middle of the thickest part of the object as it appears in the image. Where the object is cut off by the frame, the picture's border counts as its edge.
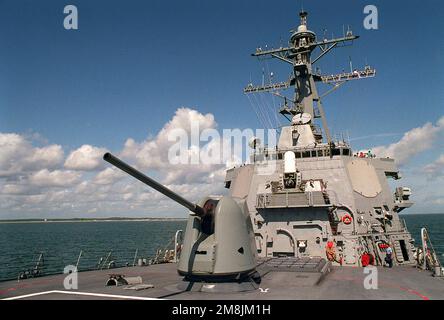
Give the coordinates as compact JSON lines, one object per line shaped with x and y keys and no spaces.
{"x":347,"y":219}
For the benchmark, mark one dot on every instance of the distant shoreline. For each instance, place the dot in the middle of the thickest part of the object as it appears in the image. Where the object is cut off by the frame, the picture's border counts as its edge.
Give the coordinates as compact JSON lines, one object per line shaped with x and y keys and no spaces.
{"x":124,"y":219}
{"x":117,"y":219}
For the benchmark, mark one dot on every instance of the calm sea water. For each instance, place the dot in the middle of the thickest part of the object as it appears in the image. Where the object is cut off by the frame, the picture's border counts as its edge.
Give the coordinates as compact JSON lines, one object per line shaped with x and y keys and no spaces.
{"x":435,"y":226}
{"x":61,"y":242}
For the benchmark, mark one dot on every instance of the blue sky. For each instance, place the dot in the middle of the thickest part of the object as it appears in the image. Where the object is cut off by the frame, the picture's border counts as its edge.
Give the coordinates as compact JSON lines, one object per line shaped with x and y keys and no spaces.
{"x":132,"y":64}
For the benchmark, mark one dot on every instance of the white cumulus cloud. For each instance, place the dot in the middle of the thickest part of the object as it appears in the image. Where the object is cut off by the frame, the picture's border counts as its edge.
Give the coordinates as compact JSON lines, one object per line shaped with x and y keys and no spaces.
{"x":40,"y":181}
{"x":436,"y":168}
{"x":85,"y":158}
{"x":153,"y":153}
{"x":18,"y":155}
{"x":56,"y":178}
{"x":412,"y":143}
{"x":108,"y":176}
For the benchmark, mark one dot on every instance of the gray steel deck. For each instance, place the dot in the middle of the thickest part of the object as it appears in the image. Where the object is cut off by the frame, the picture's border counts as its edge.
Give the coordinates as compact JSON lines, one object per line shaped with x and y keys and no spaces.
{"x":340,"y":283}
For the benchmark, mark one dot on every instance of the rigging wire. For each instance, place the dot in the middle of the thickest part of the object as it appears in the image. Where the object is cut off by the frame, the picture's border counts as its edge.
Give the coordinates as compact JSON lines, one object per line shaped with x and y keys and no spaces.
{"x":267,"y":108}
{"x":255,"y":110}
{"x":274,"y":109}
{"x":261,"y":110}
{"x":270,"y":80}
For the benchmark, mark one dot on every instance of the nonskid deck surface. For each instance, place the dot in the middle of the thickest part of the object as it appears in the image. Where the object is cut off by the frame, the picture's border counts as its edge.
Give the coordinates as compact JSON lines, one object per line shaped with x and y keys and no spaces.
{"x":340,"y":283}
{"x":308,"y":264}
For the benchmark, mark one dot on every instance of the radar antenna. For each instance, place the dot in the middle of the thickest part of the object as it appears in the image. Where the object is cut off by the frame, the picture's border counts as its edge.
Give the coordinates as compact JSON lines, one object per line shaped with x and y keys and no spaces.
{"x":298,"y":54}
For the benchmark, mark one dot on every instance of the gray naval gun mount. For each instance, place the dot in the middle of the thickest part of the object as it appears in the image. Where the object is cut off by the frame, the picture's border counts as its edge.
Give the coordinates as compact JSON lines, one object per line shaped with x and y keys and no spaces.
{"x":218,"y":250}
{"x":322,"y":199}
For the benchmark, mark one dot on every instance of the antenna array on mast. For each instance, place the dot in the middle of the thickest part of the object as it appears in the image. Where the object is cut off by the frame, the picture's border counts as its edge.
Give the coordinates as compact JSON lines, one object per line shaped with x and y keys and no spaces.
{"x":301,"y":45}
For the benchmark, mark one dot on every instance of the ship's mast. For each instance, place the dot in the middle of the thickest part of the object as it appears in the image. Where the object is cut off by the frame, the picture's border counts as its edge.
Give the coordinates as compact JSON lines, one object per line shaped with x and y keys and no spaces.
{"x":298,"y":54}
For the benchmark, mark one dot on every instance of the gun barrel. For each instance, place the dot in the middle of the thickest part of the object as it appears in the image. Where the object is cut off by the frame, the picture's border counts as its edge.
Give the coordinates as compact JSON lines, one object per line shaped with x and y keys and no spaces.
{"x":152,"y":183}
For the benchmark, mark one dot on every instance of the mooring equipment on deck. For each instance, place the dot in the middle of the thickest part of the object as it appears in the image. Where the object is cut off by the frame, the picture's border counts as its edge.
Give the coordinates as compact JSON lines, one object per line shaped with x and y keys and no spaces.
{"x":120,"y":280}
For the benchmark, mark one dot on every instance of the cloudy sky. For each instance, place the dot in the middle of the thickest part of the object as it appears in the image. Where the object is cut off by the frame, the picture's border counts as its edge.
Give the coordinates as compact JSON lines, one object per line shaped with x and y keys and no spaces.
{"x":135,"y":70}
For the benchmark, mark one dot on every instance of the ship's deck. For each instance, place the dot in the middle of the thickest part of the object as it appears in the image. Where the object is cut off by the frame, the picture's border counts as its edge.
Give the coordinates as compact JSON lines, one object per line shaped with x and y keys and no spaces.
{"x":340,"y":283}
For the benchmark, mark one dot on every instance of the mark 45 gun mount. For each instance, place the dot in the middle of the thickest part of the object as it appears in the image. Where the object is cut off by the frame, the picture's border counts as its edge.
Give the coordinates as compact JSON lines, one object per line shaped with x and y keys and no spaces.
{"x":218,"y":245}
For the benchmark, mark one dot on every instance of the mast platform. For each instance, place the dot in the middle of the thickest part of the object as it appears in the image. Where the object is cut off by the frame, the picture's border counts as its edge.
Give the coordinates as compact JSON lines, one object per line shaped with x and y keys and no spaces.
{"x":347,"y":76}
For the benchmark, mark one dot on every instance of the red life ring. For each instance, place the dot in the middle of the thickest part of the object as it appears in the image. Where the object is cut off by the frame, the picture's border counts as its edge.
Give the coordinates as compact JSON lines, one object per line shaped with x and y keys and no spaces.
{"x":347,"y":219}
